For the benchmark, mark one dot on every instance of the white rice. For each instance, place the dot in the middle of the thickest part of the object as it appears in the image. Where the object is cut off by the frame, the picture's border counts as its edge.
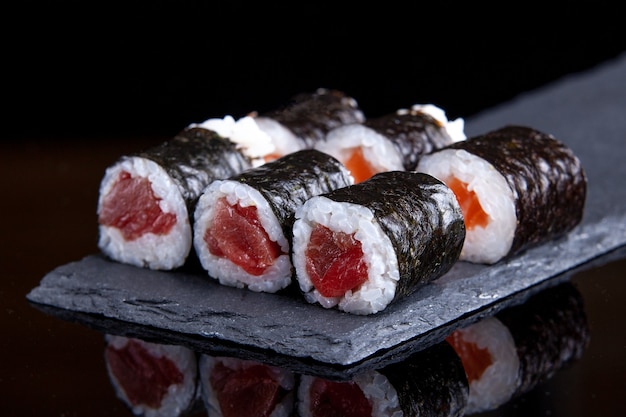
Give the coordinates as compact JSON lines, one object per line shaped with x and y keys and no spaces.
{"x":486,"y":244}
{"x":455,"y":128}
{"x":378,"y":150}
{"x":150,"y":250}
{"x":285,"y":141}
{"x":382,"y":396}
{"x":283,"y":377}
{"x":253,"y":141}
{"x":383,"y":273}
{"x":500,"y":380}
{"x":278,"y":275}
{"x":180,"y":398}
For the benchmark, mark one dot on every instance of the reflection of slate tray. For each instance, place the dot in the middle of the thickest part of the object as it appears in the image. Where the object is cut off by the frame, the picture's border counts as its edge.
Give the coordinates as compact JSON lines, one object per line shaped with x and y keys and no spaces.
{"x":586,"y":112}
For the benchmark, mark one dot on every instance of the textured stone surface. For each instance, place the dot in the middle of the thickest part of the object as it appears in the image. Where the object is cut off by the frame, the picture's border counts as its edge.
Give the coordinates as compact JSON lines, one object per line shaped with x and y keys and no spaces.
{"x":584,"y":111}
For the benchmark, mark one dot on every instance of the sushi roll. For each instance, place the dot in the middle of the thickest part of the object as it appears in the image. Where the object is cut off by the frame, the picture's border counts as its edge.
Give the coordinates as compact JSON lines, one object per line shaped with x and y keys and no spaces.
{"x":507,"y":355}
{"x":431,"y":383}
{"x":246,"y":134}
{"x":234,"y":387}
{"x":491,"y":363}
{"x":518,"y":187}
{"x":242,"y":227}
{"x":146,"y":199}
{"x":551,"y":332}
{"x":361,"y":247}
{"x":393,"y":142}
{"x":307,"y":117}
{"x":152,"y":379}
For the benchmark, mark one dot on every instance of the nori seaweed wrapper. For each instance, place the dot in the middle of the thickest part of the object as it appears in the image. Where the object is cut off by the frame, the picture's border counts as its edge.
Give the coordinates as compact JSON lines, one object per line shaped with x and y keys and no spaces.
{"x":421,"y":217}
{"x":550,"y":331}
{"x":286,"y":183}
{"x":194,"y":158}
{"x":310,"y":116}
{"x":413,"y":133}
{"x":546,"y":177}
{"x":431,"y":382}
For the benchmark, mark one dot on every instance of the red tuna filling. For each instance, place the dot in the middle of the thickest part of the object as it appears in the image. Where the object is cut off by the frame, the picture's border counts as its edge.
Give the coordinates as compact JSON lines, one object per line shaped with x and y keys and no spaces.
{"x":132,"y":207}
{"x":473,"y":212}
{"x":244,"y":392}
{"x":237,"y":235}
{"x":143,"y":377}
{"x":338,"y":399}
{"x":475,"y":360}
{"x":334,"y":262}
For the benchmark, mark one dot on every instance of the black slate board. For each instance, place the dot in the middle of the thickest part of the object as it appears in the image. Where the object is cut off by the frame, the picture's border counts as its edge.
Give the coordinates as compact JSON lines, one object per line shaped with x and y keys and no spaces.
{"x":585,"y":111}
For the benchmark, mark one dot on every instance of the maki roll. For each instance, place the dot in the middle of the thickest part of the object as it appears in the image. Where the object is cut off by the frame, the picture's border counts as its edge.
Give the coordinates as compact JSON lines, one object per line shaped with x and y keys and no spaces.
{"x":242,"y":228}
{"x":518,"y":187}
{"x":431,"y":382}
{"x":307,"y":117}
{"x":233,"y":387}
{"x":490,"y":360}
{"x":507,"y":355}
{"x":368,"y":394}
{"x":146,"y":199}
{"x":362,"y":246}
{"x":551,"y":332}
{"x":393,"y":142}
{"x":152,"y":379}
{"x":255,"y":143}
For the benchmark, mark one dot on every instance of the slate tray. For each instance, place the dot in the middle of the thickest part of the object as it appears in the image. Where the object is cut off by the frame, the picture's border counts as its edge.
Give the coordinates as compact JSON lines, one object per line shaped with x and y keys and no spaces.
{"x":586,"y":111}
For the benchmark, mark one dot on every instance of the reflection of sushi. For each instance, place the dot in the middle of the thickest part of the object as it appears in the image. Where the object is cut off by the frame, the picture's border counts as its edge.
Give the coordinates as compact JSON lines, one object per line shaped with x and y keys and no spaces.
{"x":393,"y":142}
{"x":493,"y":377}
{"x":362,"y":246}
{"x":510,"y":353}
{"x":518,"y":187}
{"x":146,"y":199}
{"x":237,"y":387}
{"x":242,"y":228}
{"x":307,"y":118}
{"x":152,"y":379}
{"x":428,"y":383}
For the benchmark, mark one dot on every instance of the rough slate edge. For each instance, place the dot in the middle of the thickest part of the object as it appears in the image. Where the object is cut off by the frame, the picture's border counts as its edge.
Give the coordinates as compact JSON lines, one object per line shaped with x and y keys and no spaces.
{"x":307,"y":365}
{"x":585,"y":111}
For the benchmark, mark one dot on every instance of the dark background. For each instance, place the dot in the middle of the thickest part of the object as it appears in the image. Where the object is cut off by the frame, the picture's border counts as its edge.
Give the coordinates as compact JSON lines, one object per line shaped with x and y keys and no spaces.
{"x":90,"y":70}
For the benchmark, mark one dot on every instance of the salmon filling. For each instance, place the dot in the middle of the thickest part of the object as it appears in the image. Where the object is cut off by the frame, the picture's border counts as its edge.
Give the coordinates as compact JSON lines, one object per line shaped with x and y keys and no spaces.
{"x":475,"y":360}
{"x":249,"y":391}
{"x":358,"y":166}
{"x":236,"y":234}
{"x":144,"y":378}
{"x":272,"y":157}
{"x":132,"y":207}
{"x":334,"y":262}
{"x":338,"y":398}
{"x":473,"y":212}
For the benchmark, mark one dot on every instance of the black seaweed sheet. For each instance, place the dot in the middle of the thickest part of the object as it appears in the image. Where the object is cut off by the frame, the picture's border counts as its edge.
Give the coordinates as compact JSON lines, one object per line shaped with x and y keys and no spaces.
{"x":195,"y":157}
{"x":310,"y":116}
{"x":317,"y":173}
{"x":413,"y":133}
{"x":519,"y":153}
{"x":584,"y":111}
{"x":421,"y":218}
